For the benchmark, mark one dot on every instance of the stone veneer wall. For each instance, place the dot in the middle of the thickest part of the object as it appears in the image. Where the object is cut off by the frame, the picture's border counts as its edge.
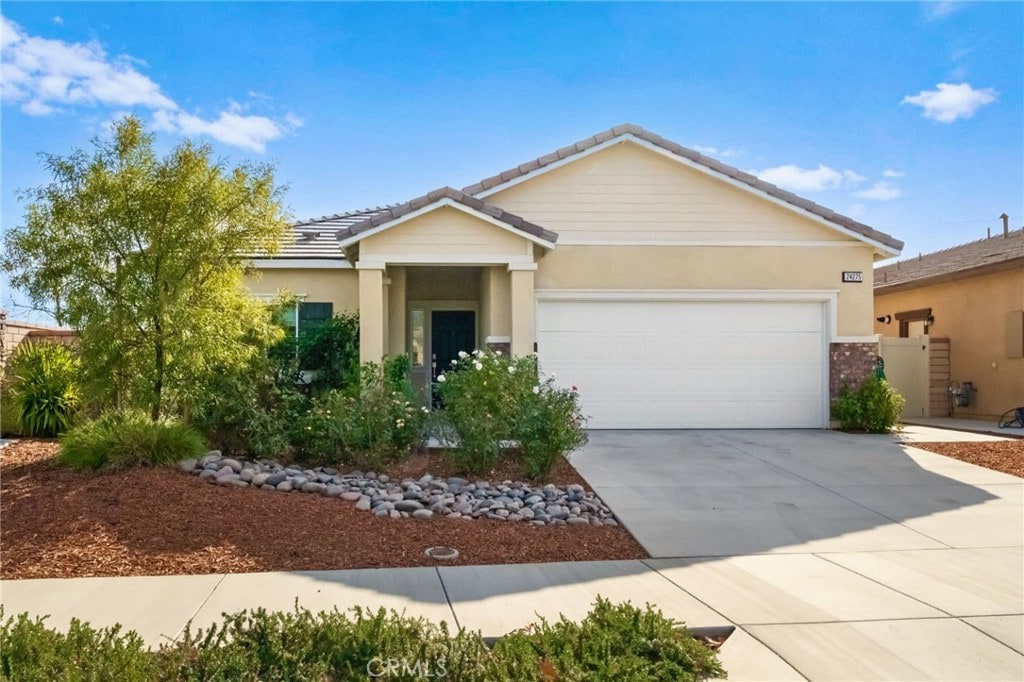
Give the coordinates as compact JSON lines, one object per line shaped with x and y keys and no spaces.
{"x":849,"y":364}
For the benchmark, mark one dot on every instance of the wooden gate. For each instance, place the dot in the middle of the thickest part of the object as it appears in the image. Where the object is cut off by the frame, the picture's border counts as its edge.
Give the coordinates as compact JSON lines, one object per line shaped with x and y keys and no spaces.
{"x":907,"y":368}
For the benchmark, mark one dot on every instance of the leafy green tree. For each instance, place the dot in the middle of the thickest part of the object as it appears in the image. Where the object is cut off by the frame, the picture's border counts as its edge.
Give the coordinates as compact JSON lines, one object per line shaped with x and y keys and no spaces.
{"x":144,"y":256}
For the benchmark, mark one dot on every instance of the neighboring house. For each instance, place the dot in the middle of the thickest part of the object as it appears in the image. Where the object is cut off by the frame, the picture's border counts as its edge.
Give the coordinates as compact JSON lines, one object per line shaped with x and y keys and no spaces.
{"x":673,"y":290}
{"x":973,"y":296}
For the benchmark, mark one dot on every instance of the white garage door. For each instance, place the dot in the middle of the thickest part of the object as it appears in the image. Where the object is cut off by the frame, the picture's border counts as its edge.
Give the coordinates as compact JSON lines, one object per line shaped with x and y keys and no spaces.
{"x":688,"y":364}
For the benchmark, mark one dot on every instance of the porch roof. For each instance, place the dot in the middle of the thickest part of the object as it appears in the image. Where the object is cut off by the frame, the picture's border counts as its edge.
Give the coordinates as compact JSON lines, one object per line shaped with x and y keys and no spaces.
{"x":445,"y":196}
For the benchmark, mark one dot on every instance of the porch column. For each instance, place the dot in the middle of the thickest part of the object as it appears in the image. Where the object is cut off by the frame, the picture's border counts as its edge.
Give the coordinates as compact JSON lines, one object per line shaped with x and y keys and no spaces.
{"x":396,"y":311}
{"x":522,"y":306}
{"x":371,"y":311}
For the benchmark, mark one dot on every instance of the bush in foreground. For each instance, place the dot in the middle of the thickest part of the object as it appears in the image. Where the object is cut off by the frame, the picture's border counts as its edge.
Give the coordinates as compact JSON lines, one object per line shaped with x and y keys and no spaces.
{"x":118,"y":440}
{"x":875,"y":407}
{"x":614,"y":642}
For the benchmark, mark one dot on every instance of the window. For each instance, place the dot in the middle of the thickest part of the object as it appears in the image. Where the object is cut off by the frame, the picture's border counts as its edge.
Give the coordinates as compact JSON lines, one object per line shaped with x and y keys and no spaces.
{"x":416,"y":347}
{"x":305,"y":317}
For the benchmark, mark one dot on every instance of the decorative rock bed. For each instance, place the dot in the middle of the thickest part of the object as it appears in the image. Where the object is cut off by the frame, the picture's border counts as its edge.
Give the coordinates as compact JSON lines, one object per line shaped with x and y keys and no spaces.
{"x":424,"y":498}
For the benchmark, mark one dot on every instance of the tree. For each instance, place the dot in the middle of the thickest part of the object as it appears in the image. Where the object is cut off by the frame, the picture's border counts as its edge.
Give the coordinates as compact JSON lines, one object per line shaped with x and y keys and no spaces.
{"x":145,"y":257}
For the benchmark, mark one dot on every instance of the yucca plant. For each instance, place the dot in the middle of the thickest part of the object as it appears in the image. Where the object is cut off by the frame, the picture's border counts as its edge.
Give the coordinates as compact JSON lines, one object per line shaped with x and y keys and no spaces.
{"x":45,"y":388}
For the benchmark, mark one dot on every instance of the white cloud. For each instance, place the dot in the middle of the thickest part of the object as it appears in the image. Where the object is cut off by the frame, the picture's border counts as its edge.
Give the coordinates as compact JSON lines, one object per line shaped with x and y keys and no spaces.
{"x":880,"y":191}
{"x":44,"y":76}
{"x":247,"y":132}
{"x":802,"y":179}
{"x":949,"y":102}
{"x":936,"y":11}
{"x":853,"y":177}
{"x":856,"y":210}
{"x":716,"y":152}
{"x":58,"y":20}
{"x":890,"y":173}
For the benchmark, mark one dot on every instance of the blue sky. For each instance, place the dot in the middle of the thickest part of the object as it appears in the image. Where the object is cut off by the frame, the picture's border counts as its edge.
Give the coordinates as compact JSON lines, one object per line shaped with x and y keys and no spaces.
{"x":906,"y":116}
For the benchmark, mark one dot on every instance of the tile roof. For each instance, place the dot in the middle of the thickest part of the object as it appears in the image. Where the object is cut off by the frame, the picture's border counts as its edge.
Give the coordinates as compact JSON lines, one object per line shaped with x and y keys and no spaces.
{"x":962,"y":260}
{"x":318,"y":237}
{"x":395,"y":212}
{"x":696,"y":157}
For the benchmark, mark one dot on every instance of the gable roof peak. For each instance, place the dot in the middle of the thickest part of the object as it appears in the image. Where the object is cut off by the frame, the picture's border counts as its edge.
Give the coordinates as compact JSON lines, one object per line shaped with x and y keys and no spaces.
{"x":487,"y":186}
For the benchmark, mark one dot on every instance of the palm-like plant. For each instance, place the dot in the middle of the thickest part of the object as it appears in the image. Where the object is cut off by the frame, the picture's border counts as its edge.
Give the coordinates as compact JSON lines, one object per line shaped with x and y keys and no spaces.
{"x":45,"y":387}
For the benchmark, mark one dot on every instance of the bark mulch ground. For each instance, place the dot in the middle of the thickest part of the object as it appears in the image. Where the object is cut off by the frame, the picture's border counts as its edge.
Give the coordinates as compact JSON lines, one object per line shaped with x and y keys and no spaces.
{"x":1005,"y":455}
{"x":60,"y":523}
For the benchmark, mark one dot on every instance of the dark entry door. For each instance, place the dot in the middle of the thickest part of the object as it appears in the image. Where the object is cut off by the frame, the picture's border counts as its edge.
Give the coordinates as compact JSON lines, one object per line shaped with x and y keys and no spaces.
{"x":451,"y":331}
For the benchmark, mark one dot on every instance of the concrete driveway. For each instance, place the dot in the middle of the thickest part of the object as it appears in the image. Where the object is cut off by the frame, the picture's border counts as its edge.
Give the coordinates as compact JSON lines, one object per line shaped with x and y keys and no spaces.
{"x":848,"y":556}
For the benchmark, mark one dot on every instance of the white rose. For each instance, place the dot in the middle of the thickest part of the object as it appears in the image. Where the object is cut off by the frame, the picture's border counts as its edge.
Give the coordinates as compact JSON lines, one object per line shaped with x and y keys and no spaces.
{"x":463,"y":354}
{"x":536,"y":389}
{"x":478,"y":365}
{"x":440,"y":378}
{"x":511,"y":369}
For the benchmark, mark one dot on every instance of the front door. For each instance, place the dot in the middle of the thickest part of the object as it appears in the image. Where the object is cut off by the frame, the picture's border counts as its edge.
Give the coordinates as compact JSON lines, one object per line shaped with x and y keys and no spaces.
{"x":451,"y":331}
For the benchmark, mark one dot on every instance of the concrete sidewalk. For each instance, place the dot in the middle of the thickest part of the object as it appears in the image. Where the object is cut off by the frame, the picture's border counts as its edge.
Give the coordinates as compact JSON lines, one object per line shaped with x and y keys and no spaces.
{"x":837,"y":557}
{"x":949,"y":424}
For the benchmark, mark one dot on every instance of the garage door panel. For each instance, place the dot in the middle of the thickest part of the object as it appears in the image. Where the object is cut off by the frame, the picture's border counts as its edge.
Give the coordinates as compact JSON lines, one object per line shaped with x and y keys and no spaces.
{"x":688,"y":364}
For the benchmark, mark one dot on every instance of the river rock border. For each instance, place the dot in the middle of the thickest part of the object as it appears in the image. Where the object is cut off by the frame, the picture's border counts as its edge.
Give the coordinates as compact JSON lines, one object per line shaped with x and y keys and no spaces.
{"x":423,"y":498}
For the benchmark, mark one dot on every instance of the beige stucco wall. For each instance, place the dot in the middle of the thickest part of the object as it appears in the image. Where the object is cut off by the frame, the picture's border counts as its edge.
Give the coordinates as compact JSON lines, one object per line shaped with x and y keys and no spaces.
{"x":972,"y":313}
{"x":627,"y":193}
{"x":717,"y":268}
{"x":442,"y":283}
{"x":495,"y":302}
{"x":340,"y":287}
{"x":446,"y":232}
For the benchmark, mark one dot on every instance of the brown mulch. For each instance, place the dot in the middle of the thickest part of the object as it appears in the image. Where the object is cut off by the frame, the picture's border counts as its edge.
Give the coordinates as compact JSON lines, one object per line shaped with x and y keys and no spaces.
{"x":1005,"y":455}
{"x":59,"y":523}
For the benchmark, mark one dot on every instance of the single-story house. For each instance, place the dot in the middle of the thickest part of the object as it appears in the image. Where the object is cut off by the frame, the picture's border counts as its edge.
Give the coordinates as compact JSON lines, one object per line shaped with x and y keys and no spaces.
{"x":968,"y":301}
{"x":673,"y":290}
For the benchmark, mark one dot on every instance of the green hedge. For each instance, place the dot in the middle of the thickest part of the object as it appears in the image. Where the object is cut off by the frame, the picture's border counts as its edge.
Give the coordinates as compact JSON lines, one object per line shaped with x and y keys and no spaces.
{"x":614,"y":642}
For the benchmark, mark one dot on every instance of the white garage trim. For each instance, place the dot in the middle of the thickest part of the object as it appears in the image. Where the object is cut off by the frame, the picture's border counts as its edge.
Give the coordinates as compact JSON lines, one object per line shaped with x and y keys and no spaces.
{"x":828,"y":296}
{"x":826,"y":300}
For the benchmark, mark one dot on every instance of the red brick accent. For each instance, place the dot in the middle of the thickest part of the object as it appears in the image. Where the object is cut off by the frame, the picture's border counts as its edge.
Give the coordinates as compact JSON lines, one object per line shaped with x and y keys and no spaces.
{"x":849,"y":364}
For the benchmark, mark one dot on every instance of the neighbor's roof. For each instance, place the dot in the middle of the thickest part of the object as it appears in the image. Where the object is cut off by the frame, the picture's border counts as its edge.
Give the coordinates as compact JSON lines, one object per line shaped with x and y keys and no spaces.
{"x":696,"y":157}
{"x":440,"y":195}
{"x":985,"y":255}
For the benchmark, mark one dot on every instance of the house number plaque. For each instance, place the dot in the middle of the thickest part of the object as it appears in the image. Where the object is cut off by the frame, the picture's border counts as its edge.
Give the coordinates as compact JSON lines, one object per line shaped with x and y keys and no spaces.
{"x":853,"y":277}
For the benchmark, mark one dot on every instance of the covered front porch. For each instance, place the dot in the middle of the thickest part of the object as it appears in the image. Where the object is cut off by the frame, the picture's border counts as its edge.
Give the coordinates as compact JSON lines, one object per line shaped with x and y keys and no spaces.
{"x":432,"y":312}
{"x":442,"y":274}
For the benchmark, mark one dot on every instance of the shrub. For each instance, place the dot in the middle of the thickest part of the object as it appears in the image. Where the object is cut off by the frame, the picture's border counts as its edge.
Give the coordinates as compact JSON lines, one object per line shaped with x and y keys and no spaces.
{"x":250,"y":411}
{"x":118,"y":440}
{"x":875,"y":407}
{"x":30,"y":651}
{"x":548,"y":424}
{"x":10,"y":415}
{"x":614,"y":642}
{"x":45,"y":390}
{"x":368,"y":427}
{"x":490,"y":400}
{"x":332,"y":352}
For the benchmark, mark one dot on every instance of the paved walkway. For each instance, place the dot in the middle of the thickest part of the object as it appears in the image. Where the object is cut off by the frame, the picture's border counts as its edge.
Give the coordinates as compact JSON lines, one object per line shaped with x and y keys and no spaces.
{"x":839,"y":558}
{"x":968,"y":425}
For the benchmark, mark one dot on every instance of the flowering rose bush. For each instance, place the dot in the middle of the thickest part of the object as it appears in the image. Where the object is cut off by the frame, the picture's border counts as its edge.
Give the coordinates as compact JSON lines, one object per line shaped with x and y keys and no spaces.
{"x":369,"y":427}
{"x":490,"y":400}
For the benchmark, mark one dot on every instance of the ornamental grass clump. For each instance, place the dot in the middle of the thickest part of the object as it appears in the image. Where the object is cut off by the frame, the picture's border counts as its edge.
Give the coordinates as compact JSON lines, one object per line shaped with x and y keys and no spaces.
{"x":119,"y":440}
{"x":494,"y":404}
{"x":45,"y":388}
